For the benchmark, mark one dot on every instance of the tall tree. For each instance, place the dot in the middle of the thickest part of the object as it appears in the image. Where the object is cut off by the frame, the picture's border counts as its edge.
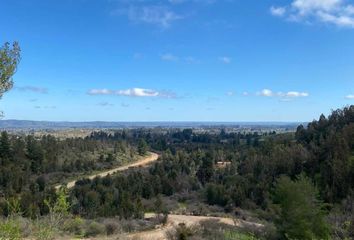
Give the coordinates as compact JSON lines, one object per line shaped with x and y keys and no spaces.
{"x":301,"y":215}
{"x":9,"y":59}
{"x":206,"y":170}
{"x":142,"y":147}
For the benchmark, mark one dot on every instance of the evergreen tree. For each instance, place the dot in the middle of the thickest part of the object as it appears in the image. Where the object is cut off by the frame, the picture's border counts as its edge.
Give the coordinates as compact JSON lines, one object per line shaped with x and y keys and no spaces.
{"x":300,"y":212}
{"x":206,"y":170}
{"x":142,"y":147}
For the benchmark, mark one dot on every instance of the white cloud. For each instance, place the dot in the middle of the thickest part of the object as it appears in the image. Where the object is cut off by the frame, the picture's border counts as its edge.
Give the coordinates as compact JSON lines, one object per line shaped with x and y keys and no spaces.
{"x":230,"y":93}
{"x":277,"y":11}
{"x":293,"y":94}
{"x":245,"y":93}
{"x":283,"y":95}
{"x":337,"y":20}
{"x":137,"y":92}
{"x":305,"y":6}
{"x":349,"y":9}
{"x":155,"y":15}
{"x":350,"y":96}
{"x":132,"y":92}
{"x":265,"y":93}
{"x":167,"y":94}
{"x":336,"y":12}
{"x":225,"y":60}
{"x":100,"y":92}
{"x":169,"y":57}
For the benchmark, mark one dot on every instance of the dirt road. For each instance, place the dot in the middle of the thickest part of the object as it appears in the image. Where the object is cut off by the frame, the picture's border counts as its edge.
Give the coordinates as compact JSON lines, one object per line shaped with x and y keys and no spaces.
{"x":175,"y":220}
{"x":159,"y":233}
{"x":152,"y":157}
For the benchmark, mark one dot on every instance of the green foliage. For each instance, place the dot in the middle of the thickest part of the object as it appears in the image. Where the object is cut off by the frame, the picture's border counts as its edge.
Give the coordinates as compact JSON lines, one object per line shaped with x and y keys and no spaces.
{"x":182,"y":232}
{"x":74,"y":226}
{"x":43,"y":230}
{"x":323,"y":151}
{"x":112,"y":226}
{"x":330,"y":142}
{"x":61,"y":205}
{"x":142,"y":147}
{"x":30,"y":166}
{"x":9,"y":59}
{"x":235,"y":235}
{"x":95,"y":229}
{"x":10,"y":229}
{"x":206,"y":170}
{"x":161,"y":210}
{"x":216,"y":194}
{"x":58,"y":210}
{"x":301,"y":215}
{"x":14,"y":208}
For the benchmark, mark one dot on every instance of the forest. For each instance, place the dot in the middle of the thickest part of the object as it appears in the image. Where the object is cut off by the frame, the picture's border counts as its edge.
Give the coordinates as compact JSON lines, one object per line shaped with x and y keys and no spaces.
{"x":298,"y":185}
{"x":29,"y":166}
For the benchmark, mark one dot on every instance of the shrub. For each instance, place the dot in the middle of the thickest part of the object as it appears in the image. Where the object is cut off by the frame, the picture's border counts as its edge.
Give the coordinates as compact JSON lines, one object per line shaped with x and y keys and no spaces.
{"x":234,"y":235}
{"x":111,"y":226}
{"x":25,"y":226}
{"x":43,"y":231}
{"x":95,"y":229}
{"x":182,"y":232}
{"x":10,"y":229}
{"x":74,"y":226}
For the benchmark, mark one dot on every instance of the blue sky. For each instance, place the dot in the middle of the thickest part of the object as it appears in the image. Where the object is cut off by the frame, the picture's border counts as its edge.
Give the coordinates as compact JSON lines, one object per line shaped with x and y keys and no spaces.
{"x":179,"y":60}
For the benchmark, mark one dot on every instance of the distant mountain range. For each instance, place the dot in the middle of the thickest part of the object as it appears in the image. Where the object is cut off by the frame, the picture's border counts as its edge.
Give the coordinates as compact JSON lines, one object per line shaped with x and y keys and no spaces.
{"x":28,"y":124}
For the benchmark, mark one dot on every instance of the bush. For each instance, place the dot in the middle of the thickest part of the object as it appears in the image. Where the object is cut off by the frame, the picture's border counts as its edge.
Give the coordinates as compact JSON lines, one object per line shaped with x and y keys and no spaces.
{"x":74,"y":226}
{"x":43,"y":231}
{"x":111,"y":226}
{"x":162,"y":218}
{"x":182,"y":232}
{"x":95,"y":229}
{"x":212,"y":229}
{"x":10,"y":229}
{"x":234,"y":235}
{"x":25,"y":226}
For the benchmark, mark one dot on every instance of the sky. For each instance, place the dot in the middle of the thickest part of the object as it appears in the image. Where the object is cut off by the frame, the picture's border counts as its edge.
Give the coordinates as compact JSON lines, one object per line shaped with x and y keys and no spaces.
{"x":179,"y":60}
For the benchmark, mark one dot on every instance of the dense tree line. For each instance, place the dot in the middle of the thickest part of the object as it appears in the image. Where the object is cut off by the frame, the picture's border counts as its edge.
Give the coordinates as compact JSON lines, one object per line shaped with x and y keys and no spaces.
{"x":295,"y":179}
{"x":314,"y":165}
{"x":30,"y":166}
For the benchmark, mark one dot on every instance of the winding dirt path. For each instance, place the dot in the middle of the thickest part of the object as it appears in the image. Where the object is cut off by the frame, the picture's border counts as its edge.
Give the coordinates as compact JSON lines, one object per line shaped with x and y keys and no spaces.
{"x":152,"y":157}
{"x":174,"y":220}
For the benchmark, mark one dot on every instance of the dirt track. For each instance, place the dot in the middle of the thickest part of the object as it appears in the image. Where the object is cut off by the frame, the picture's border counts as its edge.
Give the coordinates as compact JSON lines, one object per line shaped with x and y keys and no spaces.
{"x":175,"y":220}
{"x":143,"y":162}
